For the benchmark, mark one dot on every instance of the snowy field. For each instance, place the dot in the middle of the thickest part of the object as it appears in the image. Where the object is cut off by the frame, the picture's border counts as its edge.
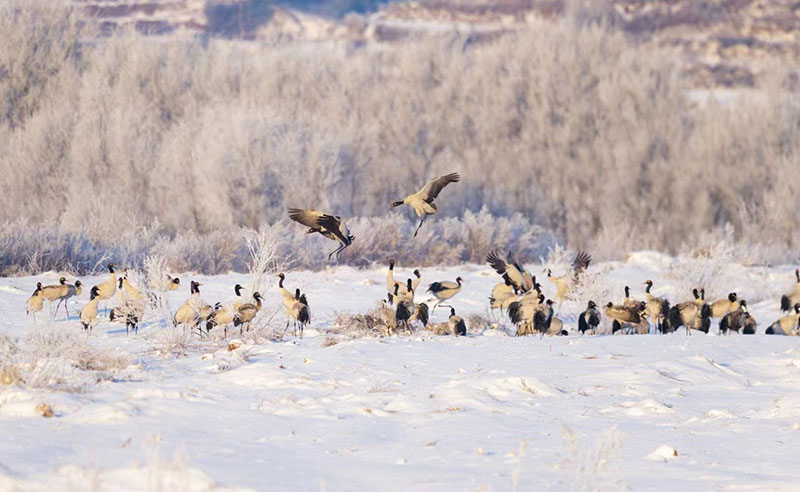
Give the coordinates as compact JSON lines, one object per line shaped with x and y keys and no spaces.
{"x":158,"y":411}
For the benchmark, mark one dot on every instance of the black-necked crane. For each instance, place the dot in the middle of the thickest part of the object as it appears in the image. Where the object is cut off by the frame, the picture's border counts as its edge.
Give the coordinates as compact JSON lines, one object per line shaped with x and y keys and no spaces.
{"x":404,"y":309}
{"x":657,"y":307}
{"x":386,"y":314}
{"x":422,"y":201}
{"x":403,"y":289}
{"x":131,"y":307}
{"x":502,"y":295}
{"x":787,"y":325}
{"x":626,"y":318}
{"x":694,"y":314}
{"x":54,"y":292}
{"x":513,"y":273}
{"x":739,"y":319}
{"x":35,"y":301}
{"x":724,"y":306}
{"x":564,"y":283}
{"x":296,"y":305}
{"x":444,"y":290}
{"x":416,"y":280}
{"x":589,"y":319}
{"x":245,"y":313}
{"x":286,"y":297}
{"x":628,"y":301}
{"x":793,"y":297}
{"x":299,"y":312}
{"x":223,"y":313}
{"x":194,"y":310}
{"x":173,"y":283}
{"x":105,"y":290}
{"x":456,"y":324}
{"x":129,"y":291}
{"x":543,"y":317}
{"x":522,"y":312}
{"x":556,"y":328}
{"x":73,"y":290}
{"x":330,"y":226}
{"x":88,"y":315}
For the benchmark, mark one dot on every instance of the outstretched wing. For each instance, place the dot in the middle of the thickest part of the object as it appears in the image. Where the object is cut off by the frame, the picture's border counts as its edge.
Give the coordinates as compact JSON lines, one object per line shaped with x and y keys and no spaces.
{"x":308,"y":218}
{"x":581,"y":262}
{"x":497,"y":264}
{"x":333,"y":225}
{"x":434,"y":186}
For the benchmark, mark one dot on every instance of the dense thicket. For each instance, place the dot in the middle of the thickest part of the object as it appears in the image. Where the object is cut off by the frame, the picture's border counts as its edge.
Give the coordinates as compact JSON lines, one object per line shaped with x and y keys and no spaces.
{"x":582,"y":131}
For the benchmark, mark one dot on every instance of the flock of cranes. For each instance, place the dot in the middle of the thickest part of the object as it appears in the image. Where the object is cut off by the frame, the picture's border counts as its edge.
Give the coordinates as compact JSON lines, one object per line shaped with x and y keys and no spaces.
{"x":519,"y":295}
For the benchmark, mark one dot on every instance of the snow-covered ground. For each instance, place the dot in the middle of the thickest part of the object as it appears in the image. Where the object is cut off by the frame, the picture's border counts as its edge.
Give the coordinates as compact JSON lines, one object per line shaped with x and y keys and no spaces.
{"x":411,"y":412}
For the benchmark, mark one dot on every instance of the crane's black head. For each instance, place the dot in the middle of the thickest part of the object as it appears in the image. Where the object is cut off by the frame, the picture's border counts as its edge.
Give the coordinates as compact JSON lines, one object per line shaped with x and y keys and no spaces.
{"x":796,"y":306}
{"x":62,"y":281}
{"x":648,"y":283}
{"x":391,"y":264}
{"x":93,"y":293}
{"x":194,"y":287}
{"x":176,"y":281}
{"x":397,"y":204}
{"x":217,"y":306}
{"x":459,"y":280}
{"x":797,"y":274}
{"x":610,"y":304}
{"x":732,"y":297}
{"x":549,"y":302}
{"x":549,"y":273}
{"x":111,"y":267}
{"x":396,"y":288}
{"x":238,"y":289}
{"x":703,"y":293}
{"x":541,"y":298}
{"x":257,"y":295}
{"x":119,"y":283}
{"x":78,"y":283}
{"x":417,"y":274}
{"x":452,"y":311}
{"x":297,"y":293}
{"x":592,"y":305}
{"x":695,"y":293}
{"x":389,"y":298}
{"x":281,"y":276}
{"x":627,"y":291}
{"x":408,"y":284}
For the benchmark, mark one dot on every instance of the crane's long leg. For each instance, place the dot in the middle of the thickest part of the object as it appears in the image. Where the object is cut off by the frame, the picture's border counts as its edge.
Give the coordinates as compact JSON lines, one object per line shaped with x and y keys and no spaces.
{"x":340,"y":250}
{"x":435,"y":306}
{"x":336,"y":251}
{"x":420,"y":224}
{"x":286,"y":328}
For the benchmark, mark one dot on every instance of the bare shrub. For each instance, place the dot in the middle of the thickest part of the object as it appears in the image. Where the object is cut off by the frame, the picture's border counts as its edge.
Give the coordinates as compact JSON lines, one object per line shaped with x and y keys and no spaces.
{"x":59,"y":360}
{"x":361,"y":325}
{"x":587,"y":468}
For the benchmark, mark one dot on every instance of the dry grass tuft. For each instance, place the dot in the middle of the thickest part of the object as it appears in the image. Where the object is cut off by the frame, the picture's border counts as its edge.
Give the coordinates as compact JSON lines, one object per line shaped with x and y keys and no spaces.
{"x":45,"y":410}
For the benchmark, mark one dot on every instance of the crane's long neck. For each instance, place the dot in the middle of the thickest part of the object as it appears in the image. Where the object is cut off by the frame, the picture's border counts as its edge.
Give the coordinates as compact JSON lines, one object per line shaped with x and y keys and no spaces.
{"x":647,"y":290}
